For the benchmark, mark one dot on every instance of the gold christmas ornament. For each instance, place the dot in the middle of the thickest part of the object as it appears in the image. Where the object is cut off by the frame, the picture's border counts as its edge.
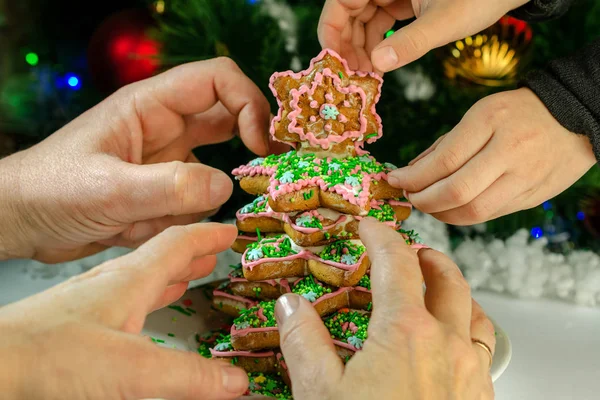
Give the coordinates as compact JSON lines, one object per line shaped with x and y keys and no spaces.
{"x":494,"y":57}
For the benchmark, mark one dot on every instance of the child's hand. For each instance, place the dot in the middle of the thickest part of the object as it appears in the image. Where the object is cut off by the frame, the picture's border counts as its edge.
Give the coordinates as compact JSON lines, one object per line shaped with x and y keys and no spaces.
{"x":507,"y":154}
{"x":355,"y":28}
{"x":80,"y":339}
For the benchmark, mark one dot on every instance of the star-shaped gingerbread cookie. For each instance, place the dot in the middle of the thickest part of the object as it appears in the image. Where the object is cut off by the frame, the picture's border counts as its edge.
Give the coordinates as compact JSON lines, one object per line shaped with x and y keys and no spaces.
{"x":327,"y":108}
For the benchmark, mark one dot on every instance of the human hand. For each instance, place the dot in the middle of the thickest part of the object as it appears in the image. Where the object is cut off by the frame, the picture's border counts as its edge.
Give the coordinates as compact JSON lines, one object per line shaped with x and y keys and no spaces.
{"x":418,"y":347}
{"x":507,"y":154}
{"x":356,"y":28}
{"x":80,"y":339}
{"x":124,"y":171}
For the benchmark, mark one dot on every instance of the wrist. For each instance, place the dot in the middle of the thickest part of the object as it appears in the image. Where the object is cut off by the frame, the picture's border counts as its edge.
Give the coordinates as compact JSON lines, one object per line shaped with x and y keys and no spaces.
{"x":12,"y":226}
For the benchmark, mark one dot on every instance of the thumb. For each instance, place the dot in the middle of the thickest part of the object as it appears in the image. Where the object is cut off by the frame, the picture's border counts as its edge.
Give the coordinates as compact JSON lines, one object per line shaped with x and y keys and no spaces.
{"x":156,"y":372}
{"x":312,"y":360}
{"x":173,"y":188}
{"x":435,"y":26}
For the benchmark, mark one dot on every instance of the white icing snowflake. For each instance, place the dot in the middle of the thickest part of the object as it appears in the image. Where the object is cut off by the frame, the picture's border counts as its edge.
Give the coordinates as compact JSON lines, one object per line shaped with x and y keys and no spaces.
{"x":330,"y":112}
{"x":287,"y":177}
{"x":257,"y":162}
{"x":247,"y":209}
{"x":310,"y":296}
{"x":356,"y":342}
{"x":390,"y":166}
{"x":223,"y":346}
{"x":352,"y":181}
{"x":303,"y":164}
{"x":304,"y":220}
{"x":255,"y":254}
{"x":364,"y":159}
{"x":242,"y":325}
{"x":348,"y":259}
{"x":334,"y":166}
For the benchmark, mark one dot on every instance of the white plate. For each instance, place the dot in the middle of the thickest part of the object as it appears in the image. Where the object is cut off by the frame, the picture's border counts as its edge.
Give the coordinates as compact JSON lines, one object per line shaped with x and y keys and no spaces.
{"x":177,"y":326}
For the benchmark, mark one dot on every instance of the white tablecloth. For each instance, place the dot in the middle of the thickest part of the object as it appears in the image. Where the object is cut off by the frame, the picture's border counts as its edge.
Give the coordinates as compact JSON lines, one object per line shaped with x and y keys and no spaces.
{"x":556,"y":346}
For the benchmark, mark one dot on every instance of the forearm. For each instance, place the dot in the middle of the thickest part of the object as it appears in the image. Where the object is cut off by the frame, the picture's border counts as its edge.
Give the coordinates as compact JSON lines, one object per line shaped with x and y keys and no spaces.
{"x":12,"y":243}
{"x":542,"y":10}
{"x":569,"y":88}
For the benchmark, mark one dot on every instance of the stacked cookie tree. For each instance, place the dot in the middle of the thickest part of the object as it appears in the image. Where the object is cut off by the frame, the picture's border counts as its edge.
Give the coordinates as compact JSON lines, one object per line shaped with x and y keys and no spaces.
{"x":300,"y":234}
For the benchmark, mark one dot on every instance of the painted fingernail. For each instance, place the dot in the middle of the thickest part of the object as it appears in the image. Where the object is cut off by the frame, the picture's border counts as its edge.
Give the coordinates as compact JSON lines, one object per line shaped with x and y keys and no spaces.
{"x":285,"y":307}
{"x":385,"y":58}
{"x":235,"y":379}
{"x":219,"y":194}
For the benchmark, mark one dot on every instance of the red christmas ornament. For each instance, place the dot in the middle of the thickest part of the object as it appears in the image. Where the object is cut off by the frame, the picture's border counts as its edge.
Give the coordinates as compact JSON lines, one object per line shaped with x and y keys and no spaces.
{"x":121,"y":51}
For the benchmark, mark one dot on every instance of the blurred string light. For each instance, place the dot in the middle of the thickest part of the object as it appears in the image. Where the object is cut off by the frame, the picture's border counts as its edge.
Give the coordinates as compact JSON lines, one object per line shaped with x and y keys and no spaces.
{"x":547,"y":205}
{"x":537,"y":232}
{"x":73,"y":81}
{"x":580,"y":215}
{"x":159,"y":6}
{"x":389,"y":33}
{"x":32,"y":59}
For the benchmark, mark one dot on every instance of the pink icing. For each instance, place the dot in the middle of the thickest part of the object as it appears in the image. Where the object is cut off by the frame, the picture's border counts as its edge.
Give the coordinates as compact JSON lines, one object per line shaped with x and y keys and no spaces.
{"x":344,"y":327}
{"x":305,"y":255}
{"x":233,"y":297}
{"x":332,"y":295}
{"x":418,"y":246}
{"x":344,"y":345}
{"x":261,"y":315}
{"x":248,"y":170}
{"x":313,"y":118}
{"x":327,"y":127}
{"x":311,"y":137}
{"x":342,"y":118}
{"x":244,"y":237}
{"x":400,"y":203}
{"x":337,"y":83}
{"x":361,"y":289}
{"x":215,"y":353}
{"x":281,"y":361}
{"x":329,"y":97}
{"x":353,"y":328}
{"x":244,"y":332}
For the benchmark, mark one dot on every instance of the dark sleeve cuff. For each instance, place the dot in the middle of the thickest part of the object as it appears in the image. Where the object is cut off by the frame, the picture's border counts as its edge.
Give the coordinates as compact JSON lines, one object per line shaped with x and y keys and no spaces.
{"x":541,"y":10}
{"x":565,"y":107}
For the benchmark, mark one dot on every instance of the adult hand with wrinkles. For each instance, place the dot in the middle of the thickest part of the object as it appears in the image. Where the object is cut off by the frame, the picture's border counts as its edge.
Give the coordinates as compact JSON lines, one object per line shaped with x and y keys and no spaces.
{"x":356,"y":28}
{"x":419,"y":346}
{"x":124,"y":170}
{"x":81,"y":339}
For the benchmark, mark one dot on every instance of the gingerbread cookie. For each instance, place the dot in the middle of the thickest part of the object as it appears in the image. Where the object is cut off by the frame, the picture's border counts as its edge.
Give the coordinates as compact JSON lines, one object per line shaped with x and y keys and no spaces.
{"x":327,"y":108}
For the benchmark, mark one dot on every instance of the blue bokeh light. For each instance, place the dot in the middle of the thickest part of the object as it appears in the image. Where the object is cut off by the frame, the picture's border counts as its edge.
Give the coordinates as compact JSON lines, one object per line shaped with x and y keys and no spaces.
{"x":547,"y":205}
{"x":537,"y":232}
{"x":581,"y":215}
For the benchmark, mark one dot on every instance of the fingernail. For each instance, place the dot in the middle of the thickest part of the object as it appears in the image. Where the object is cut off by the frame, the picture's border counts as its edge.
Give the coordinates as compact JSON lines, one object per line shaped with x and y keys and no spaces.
{"x":235,"y":379}
{"x":219,"y":184}
{"x":394,"y":177}
{"x":285,"y":307}
{"x":385,"y":58}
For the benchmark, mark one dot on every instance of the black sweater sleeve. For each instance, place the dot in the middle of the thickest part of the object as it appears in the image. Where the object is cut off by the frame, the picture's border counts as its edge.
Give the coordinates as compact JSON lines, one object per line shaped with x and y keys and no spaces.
{"x":570,"y":89}
{"x":542,"y":10}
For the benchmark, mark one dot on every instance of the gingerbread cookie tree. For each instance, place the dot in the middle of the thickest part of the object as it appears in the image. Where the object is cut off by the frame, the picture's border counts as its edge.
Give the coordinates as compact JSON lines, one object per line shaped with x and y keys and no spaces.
{"x":300,"y":234}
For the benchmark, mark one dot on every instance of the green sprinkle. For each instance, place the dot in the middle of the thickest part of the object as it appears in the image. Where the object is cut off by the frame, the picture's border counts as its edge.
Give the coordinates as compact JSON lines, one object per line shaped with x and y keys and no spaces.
{"x":234,"y":360}
{"x":342,"y":251}
{"x":220,"y":304}
{"x":258,"y":234}
{"x":249,"y":317}
{"x":310,"y":289}
{"x":173,"y":319}
{"x":341,"y":75}
{"x":371,"y":135}
{"x":191,"y":310}
{"x":369,"y":306}
{"x":365,"y":282}
{"x":327,"y":235}
{"x":180,"y":309}
{"x":157,"y":340}
{"x":255,"y":361}
{"x":171,"y":334}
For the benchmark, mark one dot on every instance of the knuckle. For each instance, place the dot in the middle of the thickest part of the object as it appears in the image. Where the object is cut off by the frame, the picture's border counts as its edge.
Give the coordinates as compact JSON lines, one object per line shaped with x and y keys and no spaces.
{"x":451,"y":275}
{"x":449,"y":160}
{"x":294,"y":332}
{"x":176,"y":187}
{"x":226,"y":63}
{"x":479,"y":210}
{"x":459,"y":191}
{"x":417,"y":41}
{"x":395,"y":249}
